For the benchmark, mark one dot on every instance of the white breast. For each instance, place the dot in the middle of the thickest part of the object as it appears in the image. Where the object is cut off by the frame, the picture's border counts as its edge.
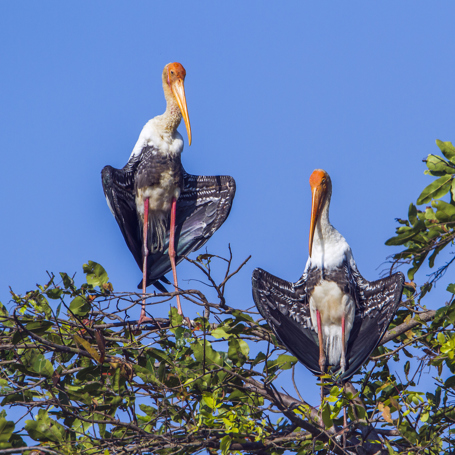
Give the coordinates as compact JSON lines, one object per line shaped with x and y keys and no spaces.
{"x":154,"y":135}
{"x":330,"y":250}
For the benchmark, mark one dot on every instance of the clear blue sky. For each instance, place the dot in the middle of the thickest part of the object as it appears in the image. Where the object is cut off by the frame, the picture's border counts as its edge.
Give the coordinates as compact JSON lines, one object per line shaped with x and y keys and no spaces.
{"x":274,"y":90}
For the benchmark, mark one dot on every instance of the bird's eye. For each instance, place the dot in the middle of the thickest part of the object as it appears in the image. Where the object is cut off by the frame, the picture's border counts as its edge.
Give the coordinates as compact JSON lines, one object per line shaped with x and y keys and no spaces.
{"x":172,"y":72}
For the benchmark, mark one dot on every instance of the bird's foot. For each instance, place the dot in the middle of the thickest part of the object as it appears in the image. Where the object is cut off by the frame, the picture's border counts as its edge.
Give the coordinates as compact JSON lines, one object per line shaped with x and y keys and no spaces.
{"x":322,"y":364}
{"x":343,"y":365}
{"x":144,"y":319}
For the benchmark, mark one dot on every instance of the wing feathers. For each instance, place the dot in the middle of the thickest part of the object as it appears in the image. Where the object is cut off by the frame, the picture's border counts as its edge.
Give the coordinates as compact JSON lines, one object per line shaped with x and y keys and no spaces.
{"x":379,"y":301}
{"x":203,"y":206}
{"x":118,"y":188}
{"x":285,"y":307}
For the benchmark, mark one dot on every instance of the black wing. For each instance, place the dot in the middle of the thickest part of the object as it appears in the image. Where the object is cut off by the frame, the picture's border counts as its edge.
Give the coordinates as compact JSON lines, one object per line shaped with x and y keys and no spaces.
{"x":203,"y":206}
{"x":119,"y":189}
{"x":285,"y":307}
{"x":378,"y":303}
{"x":118,"y":186}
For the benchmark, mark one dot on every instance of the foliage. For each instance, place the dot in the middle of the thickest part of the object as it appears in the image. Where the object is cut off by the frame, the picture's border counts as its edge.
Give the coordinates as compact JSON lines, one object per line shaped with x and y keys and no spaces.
{"x":89,"y":381}
{"x":432,"y":229}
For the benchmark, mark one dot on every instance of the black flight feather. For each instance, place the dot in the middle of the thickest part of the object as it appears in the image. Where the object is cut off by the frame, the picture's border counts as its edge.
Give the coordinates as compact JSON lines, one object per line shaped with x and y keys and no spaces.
{"x":285,"y":306}
{"x":203,"y":206}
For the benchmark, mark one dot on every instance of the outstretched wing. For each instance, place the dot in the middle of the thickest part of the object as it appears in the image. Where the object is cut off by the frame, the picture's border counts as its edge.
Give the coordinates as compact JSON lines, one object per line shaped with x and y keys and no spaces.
{"x":285,"y":307}
{"x":118,"y":186}
{"x":378,"y":302}
{"x":203,"y":206}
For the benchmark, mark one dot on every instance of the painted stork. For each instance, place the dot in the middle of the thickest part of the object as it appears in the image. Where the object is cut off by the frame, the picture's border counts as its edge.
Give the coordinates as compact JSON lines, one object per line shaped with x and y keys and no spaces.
{"x":163,"y":212}
{"x":331,"y":316}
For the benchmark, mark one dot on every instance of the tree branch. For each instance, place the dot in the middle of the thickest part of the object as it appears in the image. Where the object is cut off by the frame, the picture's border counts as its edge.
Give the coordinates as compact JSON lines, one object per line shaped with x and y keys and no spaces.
{"x":402,"y":328}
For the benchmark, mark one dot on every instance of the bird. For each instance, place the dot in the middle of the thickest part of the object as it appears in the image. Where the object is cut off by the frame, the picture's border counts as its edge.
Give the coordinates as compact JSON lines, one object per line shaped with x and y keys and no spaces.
{"x":163,"y":212}
{"x":331,"y":316}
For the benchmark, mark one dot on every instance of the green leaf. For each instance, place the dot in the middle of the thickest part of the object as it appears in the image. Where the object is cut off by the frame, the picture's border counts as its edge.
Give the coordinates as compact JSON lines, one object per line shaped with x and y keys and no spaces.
{"x":238,"y":351}
{"x":450,"y":382}
{"x":3,"y":310}
{"x":96,"y":275}
{"x":220,"y":333}
{"x":435,"y":190}
{"x":407,"y":367}
{"x":429,"y":212}
{"x":87,"y":346}
{"x":42,"y":366}
{"x":424,"y":417}
{"x":79,"y":306}
{"x":452,"y":189}
{"x":38,"y":327}
{"x":326,"y":412}
{"x":67,"y":281}
{"x":204,"y":353}
{"x":259,"y":358}
{"x":389,"y":447}
{"x":444,"y":212}
{"x":412,"y":214}
{"x":45,"y":429}
{"x":6,"y":430}
{"x":405,"y":234}
{"x":447,"y":149}
{"x":54,"y":293}
{"x":209,"y":400}
{"x":225,"y":443}
{"x":244,"y":348}
{"x":286,"y":361}
{"x":149,"y":410}
{"x":241,"y":316}
{"x":439,"y":166}
{"x":451,"y":288}
{"x":205,"y":257}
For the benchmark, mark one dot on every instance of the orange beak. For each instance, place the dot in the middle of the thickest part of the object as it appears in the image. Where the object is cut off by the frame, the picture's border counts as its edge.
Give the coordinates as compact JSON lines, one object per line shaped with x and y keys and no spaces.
{"x":178,"y":90}
{"x":318,"y":196}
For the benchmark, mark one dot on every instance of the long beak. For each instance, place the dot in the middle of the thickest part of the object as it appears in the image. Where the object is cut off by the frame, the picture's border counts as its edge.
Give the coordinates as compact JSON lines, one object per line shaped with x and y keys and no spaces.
{"x":179,"y":92}
{"x":316,"y":206}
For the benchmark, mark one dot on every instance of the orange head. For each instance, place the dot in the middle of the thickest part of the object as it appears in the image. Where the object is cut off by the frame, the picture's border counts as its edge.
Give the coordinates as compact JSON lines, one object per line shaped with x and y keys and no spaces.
{"x":174,"y":74}
{"x":320,"y":187}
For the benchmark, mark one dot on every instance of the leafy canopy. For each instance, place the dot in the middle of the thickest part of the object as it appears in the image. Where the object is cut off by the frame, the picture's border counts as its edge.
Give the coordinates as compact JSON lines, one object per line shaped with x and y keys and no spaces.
{"x":84,"y":379}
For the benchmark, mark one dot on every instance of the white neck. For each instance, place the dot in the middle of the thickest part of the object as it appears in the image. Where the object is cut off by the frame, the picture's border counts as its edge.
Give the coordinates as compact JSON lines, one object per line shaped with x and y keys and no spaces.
{"x":161,"y":131}
{"x":329,"y":247}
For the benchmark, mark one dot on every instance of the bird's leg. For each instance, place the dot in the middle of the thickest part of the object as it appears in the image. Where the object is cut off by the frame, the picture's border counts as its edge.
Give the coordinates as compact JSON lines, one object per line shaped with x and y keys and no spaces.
{"x":345,"y":423}
{"x":172,"y":251}
{"x":321,"y":351}
{"x":343,"y":344}
{"x":144,"y":263}
{"x":343,"y":369}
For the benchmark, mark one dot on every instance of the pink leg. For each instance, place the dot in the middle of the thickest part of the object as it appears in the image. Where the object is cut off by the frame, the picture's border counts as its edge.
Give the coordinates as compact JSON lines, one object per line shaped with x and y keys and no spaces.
{"x":343,"y":344}
{"x":143,"y":317}
{"x":321,"y":350}
{"x":172,"y":251}
{"x":321,"y":343}
{"x":345,"y":424}
{"x":343,"y":369}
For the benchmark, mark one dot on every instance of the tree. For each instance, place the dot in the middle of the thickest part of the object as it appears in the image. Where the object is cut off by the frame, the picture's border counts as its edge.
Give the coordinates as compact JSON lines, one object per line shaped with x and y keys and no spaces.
{"x":90,"y":382}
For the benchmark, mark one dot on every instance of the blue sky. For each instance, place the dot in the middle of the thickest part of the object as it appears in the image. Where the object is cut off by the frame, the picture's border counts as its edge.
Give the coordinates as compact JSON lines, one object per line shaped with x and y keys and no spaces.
{"x":274,"y":90}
